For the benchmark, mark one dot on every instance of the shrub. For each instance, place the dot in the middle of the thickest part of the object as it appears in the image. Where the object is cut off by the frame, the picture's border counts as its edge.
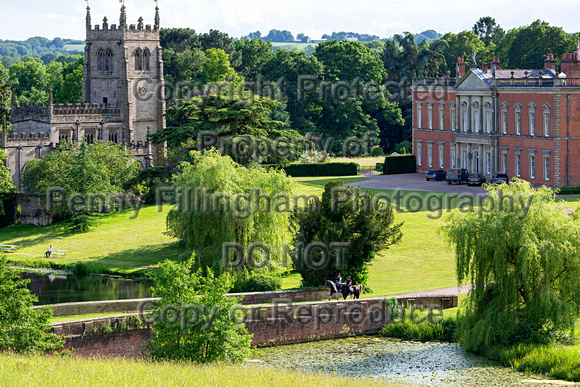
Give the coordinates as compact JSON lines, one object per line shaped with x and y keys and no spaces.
{"x":399,"y":164}
{"x":23,"y":329}
{"x":245,"y":283}
{"x":424,"y":331}
{"x":193,"y":320}
{"x":324,"y":169}
{"x":377,"y":151}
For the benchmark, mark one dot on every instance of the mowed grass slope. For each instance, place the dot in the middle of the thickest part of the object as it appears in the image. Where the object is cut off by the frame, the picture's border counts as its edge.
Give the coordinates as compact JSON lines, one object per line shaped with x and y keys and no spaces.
{"x":119,"y":242}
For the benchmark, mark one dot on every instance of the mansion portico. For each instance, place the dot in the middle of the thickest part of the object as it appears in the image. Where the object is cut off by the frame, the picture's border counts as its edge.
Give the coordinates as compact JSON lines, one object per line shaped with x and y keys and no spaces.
{"x":525,"y":123}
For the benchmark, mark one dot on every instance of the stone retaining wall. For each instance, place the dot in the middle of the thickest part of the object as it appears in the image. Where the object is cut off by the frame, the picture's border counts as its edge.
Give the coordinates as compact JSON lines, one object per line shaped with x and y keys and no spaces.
{"x":279,"y":323}
{"x":123,"y":306}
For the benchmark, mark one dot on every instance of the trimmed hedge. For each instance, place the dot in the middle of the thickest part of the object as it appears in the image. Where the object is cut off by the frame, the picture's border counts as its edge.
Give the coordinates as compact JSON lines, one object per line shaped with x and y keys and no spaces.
{"x":569,"y":191}
{"x":324,"y":169}
{"x":400,"y":164}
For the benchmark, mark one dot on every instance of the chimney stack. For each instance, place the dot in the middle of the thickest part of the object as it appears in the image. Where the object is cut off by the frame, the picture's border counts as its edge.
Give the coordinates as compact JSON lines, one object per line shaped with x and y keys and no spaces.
{"x":571,"y":65}
{"x":550,"y":62}
{"x":495,"y":62}
{"x":484,"y":67}
{"x":460,"y":67}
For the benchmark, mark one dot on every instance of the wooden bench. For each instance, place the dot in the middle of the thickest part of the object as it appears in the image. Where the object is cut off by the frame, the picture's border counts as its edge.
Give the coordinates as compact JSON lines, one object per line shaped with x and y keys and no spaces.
{"x":8,"y":248}
{"x":59,"y":252}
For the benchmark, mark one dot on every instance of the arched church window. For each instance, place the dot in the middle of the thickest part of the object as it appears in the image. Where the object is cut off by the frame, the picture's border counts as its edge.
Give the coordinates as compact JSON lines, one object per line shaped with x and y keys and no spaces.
{"x":109,"y":60}
{"x":138,"y":60}
{"x":146,"y":59}
{"x":101,"y":59}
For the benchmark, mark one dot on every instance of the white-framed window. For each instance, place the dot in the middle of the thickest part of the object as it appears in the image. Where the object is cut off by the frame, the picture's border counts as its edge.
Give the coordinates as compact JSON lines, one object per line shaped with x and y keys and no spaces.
{"x":546,"y":124}
{"x":452,"y":157}
{"x":504,"y":162}
{"x":419,"y":149}
{"x":476,"y":122}
{"x":532,"y":123}
{"x":441,"y":157}
{"x":441,"y":118}
{"x":465,"y":121}
{"x":518,"y":123}
{"x":419,"y":110}
{"x":518,"y":165}
{"x":488,"y":121}
{"x":504,"y":118}
{"x":452,"y":118}
{"x":488,"y":162}
{"x":430,"y":155}
{"x":504,"y":121}
{"x":532,"y":166}
{"x":547,"y":167}
{"x":465,"y":159}
{"x":430,"y":116}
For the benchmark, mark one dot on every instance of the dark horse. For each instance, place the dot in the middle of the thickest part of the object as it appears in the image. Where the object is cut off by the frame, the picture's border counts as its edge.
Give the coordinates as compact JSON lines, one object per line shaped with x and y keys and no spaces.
{"x":354,"y":291}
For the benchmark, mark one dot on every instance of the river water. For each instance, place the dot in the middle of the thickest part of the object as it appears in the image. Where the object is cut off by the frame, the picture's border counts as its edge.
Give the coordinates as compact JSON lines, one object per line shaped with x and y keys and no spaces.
{"x":59,"y":287}
{"x":396,"y":361}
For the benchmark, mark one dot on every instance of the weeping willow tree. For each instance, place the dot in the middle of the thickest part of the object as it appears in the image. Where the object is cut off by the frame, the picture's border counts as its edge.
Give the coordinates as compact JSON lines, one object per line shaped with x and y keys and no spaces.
{"x":522,"y":256}
{"x":221,"y":202}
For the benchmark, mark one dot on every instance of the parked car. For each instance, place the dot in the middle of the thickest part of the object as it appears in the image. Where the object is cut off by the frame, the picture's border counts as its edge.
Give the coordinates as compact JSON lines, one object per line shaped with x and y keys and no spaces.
{"x":476,"y":179}
{"x":457,"y":175}
{"x":437,"y":175}
{"x":500,"y":178}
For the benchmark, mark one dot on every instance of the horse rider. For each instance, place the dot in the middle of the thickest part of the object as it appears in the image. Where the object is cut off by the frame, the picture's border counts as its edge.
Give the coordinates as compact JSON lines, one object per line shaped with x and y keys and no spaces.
{"x":348,"y":284}
{"x":338,"y":282}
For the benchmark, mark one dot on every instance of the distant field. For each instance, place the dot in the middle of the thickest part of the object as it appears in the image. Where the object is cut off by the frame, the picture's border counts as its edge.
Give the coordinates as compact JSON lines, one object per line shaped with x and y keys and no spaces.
{"x":297,"y":46}
{"x":75,"y":47}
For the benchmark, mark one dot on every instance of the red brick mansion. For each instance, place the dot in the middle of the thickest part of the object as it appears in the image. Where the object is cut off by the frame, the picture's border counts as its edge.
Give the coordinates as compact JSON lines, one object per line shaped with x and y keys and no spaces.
{"x":525,"y":123}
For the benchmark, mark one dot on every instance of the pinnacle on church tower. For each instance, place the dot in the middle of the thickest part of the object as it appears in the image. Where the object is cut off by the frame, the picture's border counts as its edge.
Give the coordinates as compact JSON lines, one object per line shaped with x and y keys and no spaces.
{"x":123,"y":18}
{"x":88,"y":17}
{"x":157,"y":23}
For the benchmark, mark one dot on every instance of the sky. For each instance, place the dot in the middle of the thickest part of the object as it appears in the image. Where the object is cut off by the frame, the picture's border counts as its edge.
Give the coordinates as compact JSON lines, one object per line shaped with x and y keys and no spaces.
{"x":66,"y":18}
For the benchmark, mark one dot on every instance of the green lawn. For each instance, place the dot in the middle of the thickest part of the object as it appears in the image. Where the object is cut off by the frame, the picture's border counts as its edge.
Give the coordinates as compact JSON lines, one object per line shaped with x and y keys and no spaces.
{"x":116,"y":242}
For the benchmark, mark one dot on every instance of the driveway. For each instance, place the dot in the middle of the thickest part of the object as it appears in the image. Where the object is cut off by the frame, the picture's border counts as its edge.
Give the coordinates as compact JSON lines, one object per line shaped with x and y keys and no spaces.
{"x":416,"y":182}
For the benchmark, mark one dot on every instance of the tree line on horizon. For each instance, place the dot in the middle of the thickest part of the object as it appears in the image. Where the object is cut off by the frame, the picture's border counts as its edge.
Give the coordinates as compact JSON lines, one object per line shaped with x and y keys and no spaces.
{"x":215,"y":56}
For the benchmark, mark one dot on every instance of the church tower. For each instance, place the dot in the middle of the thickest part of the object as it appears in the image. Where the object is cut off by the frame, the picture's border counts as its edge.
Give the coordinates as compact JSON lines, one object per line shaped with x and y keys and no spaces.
{"x":124,"y":69}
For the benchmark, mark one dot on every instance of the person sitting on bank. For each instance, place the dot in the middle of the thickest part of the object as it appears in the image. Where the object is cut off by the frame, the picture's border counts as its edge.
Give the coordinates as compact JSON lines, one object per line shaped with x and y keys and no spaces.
{"x":49,"y":251}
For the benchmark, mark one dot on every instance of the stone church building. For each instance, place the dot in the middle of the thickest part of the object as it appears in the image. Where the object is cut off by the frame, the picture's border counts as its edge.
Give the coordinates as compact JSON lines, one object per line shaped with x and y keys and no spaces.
{"x":122,"y":99}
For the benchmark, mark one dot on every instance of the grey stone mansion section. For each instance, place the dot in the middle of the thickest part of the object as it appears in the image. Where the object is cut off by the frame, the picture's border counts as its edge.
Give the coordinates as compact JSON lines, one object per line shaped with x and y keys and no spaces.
{"x":123,"y":99}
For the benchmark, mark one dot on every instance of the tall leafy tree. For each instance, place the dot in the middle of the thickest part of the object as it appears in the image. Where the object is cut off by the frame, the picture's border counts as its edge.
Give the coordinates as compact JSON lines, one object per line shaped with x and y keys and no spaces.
{"x":82,"y":169}
{"x":342,"y":218}
{"x":254,"y":53}
{"x":463,"y":44}
{"x":531,"y":44}
{"x":347,"y":61}
{"x":234,"y":213}
{"x":216,"y":68}
{"x":231,"y":119}
{"x":523,"y":259}
{"x":488,"y":30}
{"x":287,"y":67}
